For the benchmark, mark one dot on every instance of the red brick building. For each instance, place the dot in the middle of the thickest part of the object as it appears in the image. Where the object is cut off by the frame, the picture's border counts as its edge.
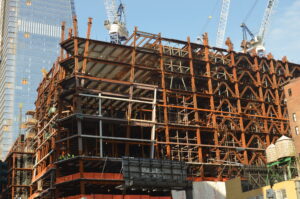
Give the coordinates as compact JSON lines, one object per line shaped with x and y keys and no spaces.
{"x":292,"y":94}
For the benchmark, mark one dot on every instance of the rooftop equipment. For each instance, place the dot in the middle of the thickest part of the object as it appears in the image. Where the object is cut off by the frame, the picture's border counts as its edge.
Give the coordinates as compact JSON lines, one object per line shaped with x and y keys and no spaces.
{"x":271,"y":153}
{"x":285,"y":147}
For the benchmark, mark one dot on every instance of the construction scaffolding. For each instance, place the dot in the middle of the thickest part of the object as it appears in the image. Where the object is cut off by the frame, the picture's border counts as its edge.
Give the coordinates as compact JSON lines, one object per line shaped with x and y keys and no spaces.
{"x":153,"y":98}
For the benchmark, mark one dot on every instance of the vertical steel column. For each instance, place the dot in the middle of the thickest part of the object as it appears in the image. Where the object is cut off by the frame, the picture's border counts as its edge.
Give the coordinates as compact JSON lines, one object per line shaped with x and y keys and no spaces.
{"x":76,"y":99}
{"x":70,"y":33}
{"x":237,"y":95}
{"x":274,"y":79}
{"x":79,"y":129}
{"x":81,"y":171}
{"x":86,"y":47}
{"x":210,"y":90}
{"x":287,"y":73}
{"x":153,"y":125}
{"x":163,"y":85}
{"x":57,"y":174}
{"x":75,"y":29}
{"x":13,"y":175}
{"x":62,"y":72}
{"x":100,"y":126}
{"x":276,"y":88}
{"x":131,"y":80}
{"x":288,"y":76}
{"x":261,"y":99}
{"x":62,"y":38}
{"x":195,"y":104}
{"x":62,"y":75}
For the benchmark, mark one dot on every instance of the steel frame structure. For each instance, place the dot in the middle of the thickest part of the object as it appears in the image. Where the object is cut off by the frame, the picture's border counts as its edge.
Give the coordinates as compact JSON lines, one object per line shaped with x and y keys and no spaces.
{"x":153,"y":97}
{"x":20,"y":161}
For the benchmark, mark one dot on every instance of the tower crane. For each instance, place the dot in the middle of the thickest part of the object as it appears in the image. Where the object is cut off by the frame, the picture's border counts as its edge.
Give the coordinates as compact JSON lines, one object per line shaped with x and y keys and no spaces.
{"x":116,"y":21}
{"x":222,"y":23}
{"x":257,"y":42}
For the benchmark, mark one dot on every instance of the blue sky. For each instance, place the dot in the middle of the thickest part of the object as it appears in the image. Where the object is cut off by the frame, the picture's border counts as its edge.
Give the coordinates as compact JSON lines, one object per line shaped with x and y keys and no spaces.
{"x":179,"y":19}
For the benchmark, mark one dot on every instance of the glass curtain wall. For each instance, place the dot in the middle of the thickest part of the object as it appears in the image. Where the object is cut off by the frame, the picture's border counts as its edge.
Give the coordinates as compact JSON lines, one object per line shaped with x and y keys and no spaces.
{"x":30,"y":35}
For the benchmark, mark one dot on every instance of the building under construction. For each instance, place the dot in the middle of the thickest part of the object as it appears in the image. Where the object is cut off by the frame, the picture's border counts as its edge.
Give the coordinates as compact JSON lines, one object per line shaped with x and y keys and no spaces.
{"x":151,"y":115}
{"x":19,"y":161}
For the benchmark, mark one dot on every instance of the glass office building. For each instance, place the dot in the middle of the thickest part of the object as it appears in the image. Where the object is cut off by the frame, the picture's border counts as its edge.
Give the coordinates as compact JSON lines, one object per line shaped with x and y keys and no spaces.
{"x":30,"y":32}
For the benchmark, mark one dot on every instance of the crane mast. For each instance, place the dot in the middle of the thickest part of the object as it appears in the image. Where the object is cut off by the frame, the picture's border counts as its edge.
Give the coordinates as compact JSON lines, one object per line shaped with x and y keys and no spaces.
{"x":116,"y":21}
{"x":222,"y":23}
{"x":266,"y":19}
{"x":257,"y":42}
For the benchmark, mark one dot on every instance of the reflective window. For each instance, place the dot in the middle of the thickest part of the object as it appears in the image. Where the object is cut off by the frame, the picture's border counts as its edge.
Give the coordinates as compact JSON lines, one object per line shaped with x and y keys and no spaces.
{"x":28,"y":2}
{"x":30,"y":43}
{"x":26,"y":35}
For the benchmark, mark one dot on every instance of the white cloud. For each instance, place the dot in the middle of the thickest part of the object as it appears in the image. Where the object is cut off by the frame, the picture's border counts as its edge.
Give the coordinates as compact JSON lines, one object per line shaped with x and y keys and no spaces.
{"x":284,"y":35}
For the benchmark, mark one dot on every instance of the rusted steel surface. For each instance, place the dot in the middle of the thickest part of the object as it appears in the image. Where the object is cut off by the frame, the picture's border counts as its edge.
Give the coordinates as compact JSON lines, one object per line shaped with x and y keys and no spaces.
{"x":154,"y":97}
{"x":19,"y":162}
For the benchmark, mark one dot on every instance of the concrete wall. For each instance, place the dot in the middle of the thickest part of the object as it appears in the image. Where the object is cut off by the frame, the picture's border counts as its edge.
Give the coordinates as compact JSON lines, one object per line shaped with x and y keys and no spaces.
{"x":234,"y":190}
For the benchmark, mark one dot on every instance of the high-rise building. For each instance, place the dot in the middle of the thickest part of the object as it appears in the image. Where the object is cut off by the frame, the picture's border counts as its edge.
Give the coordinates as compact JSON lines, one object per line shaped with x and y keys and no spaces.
{"x":30,"y":32}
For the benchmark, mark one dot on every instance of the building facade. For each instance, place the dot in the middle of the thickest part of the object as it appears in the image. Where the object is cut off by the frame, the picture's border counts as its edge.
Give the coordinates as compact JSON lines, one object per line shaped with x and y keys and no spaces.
{"x":30,"y":33}
{"x":292,"y":96}
{"x":285,"y":189}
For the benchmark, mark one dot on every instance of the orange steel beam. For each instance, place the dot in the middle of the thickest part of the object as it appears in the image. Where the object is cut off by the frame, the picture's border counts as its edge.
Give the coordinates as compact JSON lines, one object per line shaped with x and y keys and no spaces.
{"x":218,"y":96}
{"x":90,"y":176}
{"x":86,"y":48}
{"x":194,"y":90}
{"x":164,"y":96}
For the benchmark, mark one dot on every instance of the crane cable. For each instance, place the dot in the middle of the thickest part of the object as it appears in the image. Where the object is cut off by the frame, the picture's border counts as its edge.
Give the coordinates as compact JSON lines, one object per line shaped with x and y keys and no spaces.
{"x":250,"y":11}
{"x":210,"y":17}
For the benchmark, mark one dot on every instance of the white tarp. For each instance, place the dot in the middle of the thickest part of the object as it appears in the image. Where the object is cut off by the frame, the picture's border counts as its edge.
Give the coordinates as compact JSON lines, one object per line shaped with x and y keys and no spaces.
{"x":209,"y":190}
{"x":178,"y":194}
